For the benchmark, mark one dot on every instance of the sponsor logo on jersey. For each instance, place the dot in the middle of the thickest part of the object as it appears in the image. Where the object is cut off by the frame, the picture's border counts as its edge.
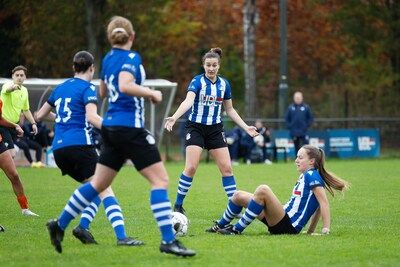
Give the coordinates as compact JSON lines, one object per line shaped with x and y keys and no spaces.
{"x":211,"y":100}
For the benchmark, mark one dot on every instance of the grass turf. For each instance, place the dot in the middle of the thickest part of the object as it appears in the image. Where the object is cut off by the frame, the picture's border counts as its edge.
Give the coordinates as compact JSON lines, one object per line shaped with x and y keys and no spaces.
{"x":364,"y":229}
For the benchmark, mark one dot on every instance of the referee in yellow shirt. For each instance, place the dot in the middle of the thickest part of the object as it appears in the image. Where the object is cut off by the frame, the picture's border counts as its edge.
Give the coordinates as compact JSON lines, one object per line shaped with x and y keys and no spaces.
{"x":15,"y":101}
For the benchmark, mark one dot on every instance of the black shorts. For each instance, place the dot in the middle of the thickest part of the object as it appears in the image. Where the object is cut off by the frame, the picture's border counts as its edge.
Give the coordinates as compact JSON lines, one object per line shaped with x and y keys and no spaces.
{"x":2,"y":146}
{"x":122,"y":143}
{"x":8,"y":135}
{"x":79,"y":162}
{"x":205,"y":136}
{"x":283,"y":227}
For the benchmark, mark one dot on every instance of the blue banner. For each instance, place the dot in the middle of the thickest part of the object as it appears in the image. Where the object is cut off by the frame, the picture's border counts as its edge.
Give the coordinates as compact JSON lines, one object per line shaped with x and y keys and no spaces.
{"x":368,"y":142}
{"x":341,"y":143}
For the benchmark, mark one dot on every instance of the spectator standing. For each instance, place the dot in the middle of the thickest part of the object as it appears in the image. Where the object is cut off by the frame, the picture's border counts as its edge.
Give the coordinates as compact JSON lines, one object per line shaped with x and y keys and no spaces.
{"x":298,"y":119}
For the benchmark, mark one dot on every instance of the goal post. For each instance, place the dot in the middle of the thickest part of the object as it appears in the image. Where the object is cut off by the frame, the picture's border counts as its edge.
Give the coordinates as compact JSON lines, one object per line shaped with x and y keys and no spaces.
{"x":40,"y":90}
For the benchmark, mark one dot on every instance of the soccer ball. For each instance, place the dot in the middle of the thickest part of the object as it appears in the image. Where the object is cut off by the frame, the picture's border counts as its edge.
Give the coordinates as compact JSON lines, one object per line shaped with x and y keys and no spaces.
{"x":180,"y":224}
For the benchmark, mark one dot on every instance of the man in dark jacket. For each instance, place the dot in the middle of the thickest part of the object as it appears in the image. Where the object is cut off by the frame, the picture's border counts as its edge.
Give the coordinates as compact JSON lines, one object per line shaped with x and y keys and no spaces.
{"x":298,"y":119}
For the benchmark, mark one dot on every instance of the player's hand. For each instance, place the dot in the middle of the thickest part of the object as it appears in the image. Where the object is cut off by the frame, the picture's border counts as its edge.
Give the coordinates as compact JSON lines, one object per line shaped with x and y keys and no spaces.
{"x":19,"y":130}
{"x":34,"y":129}
{"x":156,"y":97}
{"x":169,"y":122}
{"x":252,"y":131}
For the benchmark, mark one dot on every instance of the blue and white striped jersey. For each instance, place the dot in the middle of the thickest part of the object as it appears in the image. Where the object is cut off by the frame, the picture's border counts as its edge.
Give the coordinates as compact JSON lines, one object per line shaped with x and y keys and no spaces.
{"x":69,"y":100}
{"x":207,"y":105}
{"x":303,"y":203}
{"x":123,"y":110}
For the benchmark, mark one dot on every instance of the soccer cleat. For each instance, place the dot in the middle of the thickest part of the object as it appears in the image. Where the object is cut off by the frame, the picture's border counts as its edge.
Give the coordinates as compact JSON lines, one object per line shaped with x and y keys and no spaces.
{"x":2,"y":229}
{"x":83,"y":235}
{"x":56,"y":234}
{"x":216,"y":227}
{"x":230,"y":230}
{"x":129,"y":241}
{"x":27,"y":212}
{"x":175,"y":247}
{"x":180,"y":209}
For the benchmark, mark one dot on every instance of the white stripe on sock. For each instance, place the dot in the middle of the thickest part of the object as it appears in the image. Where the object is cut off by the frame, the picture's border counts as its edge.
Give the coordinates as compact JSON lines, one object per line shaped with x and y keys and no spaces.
{"x":115,"y":214}
{"x":70,"y":211}
{"x":185,"y":182}
{"x":184,"y":187}
{"x":76,"y":204}
{"x":161,"y":205}
{"x":81,"y":198}
{"x":162,"y":213}
{"x":113,"y":207}
{"x":230,"y":186}
{"x":117,"y":223}
{"x":251,"y":213}
{"x":164,"y":222}
{"x":87,"y":216}
{"x":182,"y":192}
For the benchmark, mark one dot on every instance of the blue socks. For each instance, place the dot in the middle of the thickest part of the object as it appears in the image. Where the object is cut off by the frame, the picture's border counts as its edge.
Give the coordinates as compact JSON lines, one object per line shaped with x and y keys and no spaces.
{"x":162,"y":212}
{"x":253,"y":210}
{"x":115,"y":217}
{"x":81,"y":198}
{"x":231,"y":211}
{"x":88,"y":213}
{"x":229,"y":184}
{"x":185,"y":183}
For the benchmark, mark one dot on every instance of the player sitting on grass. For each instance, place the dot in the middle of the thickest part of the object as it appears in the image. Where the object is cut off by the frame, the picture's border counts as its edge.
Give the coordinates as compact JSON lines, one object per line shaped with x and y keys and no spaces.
{"x":308,"y":200}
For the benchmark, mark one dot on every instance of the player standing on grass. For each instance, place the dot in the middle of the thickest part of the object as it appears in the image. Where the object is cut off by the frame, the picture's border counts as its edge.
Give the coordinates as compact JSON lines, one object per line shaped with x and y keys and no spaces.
{"x":206,"y":94}
{"x":308,"y":200}
{"x":124,"y":137}
{"x":75,"y":102}
{"x":8,"y":166}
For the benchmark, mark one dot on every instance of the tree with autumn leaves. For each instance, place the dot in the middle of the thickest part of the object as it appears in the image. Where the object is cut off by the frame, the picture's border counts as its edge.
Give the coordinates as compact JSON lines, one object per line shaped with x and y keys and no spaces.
{"x":342,"y":54}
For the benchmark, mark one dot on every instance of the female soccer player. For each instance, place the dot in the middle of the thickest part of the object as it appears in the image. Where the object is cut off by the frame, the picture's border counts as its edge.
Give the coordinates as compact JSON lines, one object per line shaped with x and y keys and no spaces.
{"x":308,"y":200}
{"x":124,"y":137}
{"x":8,"y":166}
{"x":206,"y":94}
{"x":75,"y":102}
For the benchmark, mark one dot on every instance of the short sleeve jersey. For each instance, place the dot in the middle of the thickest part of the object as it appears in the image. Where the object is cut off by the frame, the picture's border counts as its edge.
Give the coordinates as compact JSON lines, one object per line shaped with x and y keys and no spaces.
{"x":207,"y":105}
{"x":71,"y":125}
{"x":303,"y":203}
{"x":14,"y":102}
{"x":123,"y":110}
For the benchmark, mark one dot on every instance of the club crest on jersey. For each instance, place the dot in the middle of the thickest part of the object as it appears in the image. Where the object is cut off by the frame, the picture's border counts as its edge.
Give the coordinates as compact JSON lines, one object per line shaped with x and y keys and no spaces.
{"x":210,"y":100}
{"x":188,"y":136}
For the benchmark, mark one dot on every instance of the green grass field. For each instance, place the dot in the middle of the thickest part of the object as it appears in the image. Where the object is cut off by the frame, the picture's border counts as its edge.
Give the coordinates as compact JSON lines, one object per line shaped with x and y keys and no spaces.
{"x":364,"y":229}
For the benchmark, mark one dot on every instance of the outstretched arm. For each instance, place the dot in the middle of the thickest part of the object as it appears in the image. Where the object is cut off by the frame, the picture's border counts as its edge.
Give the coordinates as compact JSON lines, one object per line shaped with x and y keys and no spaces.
{"x":320,"y":194}
{"x":232,"y":113}
{"x":183,"y":107}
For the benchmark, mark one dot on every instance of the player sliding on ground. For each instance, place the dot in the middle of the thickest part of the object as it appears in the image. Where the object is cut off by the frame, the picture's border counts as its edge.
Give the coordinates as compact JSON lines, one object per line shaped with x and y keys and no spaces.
{"x":308,"y":200}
